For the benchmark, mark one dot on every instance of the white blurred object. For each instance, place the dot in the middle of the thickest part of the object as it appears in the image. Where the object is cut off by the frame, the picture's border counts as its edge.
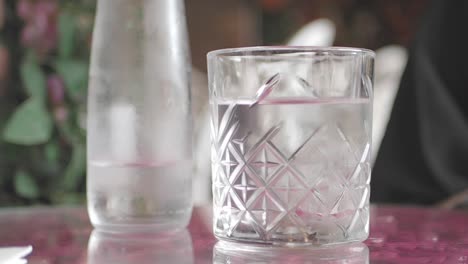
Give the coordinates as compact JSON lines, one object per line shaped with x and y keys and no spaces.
{"x":123,"y":122}
{"x":14,"y":255}
{"x":390,"y":63}
{"x":320,"y":32}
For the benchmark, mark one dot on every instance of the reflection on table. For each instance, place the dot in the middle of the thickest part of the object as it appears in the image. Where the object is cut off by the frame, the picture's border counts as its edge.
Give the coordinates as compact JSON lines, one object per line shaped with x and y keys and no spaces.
{"x":397,"y":235}
{"x":173,"y":247}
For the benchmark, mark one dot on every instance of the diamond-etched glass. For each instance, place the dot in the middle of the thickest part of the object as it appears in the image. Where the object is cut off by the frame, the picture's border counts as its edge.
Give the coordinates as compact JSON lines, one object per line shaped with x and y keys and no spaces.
{"x":291,"y":141}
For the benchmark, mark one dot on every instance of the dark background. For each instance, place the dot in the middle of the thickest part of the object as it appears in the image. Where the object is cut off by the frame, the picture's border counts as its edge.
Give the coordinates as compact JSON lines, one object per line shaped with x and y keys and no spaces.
{"x":44,"y":53}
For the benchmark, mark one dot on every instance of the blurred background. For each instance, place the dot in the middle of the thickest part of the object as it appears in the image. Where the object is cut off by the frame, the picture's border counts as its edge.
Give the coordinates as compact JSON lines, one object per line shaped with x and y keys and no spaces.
{"x":44,"y":54}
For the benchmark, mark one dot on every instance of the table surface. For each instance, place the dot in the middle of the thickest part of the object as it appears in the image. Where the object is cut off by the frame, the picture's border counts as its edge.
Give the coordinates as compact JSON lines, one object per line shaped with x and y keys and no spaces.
{"x":398,"y":235}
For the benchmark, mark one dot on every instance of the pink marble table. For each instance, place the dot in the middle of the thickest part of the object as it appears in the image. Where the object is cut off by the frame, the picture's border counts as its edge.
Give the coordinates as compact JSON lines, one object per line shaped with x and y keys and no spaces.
{"x":398,"y":235}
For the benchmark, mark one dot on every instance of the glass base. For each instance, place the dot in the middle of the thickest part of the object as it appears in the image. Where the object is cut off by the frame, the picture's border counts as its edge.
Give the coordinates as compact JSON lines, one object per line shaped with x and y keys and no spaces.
{"x":140,"y":225}
{"x":139,"y":228}
{"x":225,"y":252}
{"x":292,"y":241}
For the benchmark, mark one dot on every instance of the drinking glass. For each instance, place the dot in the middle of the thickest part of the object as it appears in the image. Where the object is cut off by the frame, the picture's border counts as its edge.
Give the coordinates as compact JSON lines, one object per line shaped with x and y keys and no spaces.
{"x":291,"y":141}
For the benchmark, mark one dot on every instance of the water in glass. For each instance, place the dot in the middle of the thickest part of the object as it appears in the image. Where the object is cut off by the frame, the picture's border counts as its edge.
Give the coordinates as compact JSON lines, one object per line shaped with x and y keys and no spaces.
{"x":291,"y":170}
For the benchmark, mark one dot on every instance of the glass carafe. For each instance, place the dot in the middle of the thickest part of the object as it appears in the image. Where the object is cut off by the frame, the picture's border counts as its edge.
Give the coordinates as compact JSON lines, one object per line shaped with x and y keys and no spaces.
{"x":139,"y":117}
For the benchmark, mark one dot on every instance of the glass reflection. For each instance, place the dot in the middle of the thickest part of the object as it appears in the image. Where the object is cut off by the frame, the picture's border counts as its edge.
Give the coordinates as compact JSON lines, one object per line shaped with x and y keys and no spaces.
{"x":233,"y":253}
{"x":173,"y":247}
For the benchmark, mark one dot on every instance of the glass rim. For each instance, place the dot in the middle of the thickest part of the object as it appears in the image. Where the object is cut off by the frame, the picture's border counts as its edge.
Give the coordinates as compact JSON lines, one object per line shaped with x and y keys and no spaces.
{"x":279,"y":50}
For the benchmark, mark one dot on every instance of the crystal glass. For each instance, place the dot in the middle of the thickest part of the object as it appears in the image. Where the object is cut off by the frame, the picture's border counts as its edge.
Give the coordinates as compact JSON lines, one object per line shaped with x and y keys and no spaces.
{"x":139,"y":117}
{"x":351,"y":253}
{"x":291,"y":140}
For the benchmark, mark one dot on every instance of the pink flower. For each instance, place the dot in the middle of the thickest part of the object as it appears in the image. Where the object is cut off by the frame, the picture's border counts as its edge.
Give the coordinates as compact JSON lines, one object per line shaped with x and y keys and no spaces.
{"x":40,"y":30}
{"x":47,"y":7}
{"x":29,"y":34}
{"x":25,"y":9}
{"x":4,"y":69}
{"x":55,"y":88}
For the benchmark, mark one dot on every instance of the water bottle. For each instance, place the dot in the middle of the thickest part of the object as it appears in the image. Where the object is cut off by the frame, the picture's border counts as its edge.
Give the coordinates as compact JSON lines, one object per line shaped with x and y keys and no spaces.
{"x":139,"y":117}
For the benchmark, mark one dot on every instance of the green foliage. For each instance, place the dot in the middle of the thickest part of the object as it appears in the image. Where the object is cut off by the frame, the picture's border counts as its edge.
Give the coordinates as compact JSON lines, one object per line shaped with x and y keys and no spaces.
{"x":52,"y":152}
{"x":76,"y":168}
{"x":66,"y":28}
{"x":42,"y":146}
{"x":33,"y":79}
{"x":75,"y":76}
{"x":25,"y":185}
{"x":30,"y":124}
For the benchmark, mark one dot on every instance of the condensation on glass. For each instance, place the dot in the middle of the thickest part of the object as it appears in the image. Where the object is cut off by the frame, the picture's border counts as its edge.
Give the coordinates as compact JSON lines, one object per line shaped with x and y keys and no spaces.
{"x":139,"y":117}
